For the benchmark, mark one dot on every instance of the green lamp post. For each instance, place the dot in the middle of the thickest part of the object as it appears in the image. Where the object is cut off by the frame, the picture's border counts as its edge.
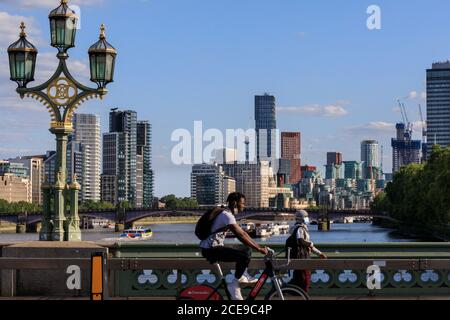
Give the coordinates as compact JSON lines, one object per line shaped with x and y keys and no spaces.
{"x":61,"y":95}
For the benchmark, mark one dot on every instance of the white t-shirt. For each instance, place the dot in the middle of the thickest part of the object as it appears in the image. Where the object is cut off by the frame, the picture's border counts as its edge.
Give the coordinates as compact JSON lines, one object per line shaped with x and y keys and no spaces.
{"x":223,"y":219}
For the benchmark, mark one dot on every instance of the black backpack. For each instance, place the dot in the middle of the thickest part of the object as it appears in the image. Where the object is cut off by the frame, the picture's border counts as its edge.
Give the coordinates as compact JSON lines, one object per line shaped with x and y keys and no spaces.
{"x":292,"y":243}
{"x":204,"y":225}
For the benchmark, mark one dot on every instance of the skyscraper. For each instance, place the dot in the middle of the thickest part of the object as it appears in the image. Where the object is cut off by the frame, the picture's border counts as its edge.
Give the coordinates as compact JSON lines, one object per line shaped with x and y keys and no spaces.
{"x":370,"y":158}
{"x":438,"y":105}
{"x":404,"y":150}
{"x":334,"y":158}
{"x":144,"y":188}
{"x":88,"y":133}
{"x":114,"y":180}
{"x":291,"y":150}
{"x":125,"y":122}
{"x":266,"y":124}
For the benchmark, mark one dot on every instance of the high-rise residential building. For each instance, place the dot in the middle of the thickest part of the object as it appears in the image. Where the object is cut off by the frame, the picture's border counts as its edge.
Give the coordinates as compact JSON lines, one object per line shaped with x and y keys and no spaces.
{"x":50,"y":167}
{"x":114,"y":180}
{"x":266,"y":124}
{"x":352,"y":170}
{"x":438,"y":105}
{"x":291,"y":150}
{"x":76,"y":164}
{"x":35,"y":169}
{"x":404,"y":150}
{"x":370,"y":158}
{"x":125,"y":122}
{"x":144,"y":178}
{"x":88,"y":133}
{"x":15,"y":189}
{"x":252,"y":180}
{"x":207,"y":184}
{"x":334,"y":158}
{"x":333,"y":171}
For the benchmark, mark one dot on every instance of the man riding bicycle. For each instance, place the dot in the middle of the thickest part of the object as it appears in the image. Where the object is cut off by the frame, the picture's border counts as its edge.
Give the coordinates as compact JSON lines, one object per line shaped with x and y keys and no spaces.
{"x":214,"y":250}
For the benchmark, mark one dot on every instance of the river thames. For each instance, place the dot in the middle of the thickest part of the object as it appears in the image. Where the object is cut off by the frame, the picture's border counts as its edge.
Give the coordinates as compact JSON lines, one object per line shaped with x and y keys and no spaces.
{"x":184,"y":234}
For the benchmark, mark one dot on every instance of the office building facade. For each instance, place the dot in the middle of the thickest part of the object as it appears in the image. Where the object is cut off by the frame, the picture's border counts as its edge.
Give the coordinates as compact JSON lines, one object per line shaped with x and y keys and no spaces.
{"x":265,"y":125}
{"x":291,"y":150}
{"x":252,"y":179}
{"x":438,"y":106}
{"x":88,"y":133}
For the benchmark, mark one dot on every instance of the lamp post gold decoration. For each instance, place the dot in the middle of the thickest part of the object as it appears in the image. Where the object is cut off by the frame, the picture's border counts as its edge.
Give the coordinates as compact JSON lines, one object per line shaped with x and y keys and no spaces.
{"x":61,"y":95}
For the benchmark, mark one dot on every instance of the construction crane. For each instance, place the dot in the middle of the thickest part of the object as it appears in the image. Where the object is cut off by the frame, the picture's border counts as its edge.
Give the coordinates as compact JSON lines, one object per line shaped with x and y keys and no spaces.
{"x":424,"y":136}
{"x":401,"y":111}
{"x":424,"y":126}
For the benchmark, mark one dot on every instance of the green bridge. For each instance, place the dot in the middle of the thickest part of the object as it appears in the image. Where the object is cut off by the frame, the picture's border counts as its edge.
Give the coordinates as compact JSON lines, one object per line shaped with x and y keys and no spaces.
{"x":407,"y":269}
{"x":145,"y":270}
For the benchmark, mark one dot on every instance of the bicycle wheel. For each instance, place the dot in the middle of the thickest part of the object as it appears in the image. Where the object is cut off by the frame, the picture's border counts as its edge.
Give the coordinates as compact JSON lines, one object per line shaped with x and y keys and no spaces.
{"x":289,"y":293}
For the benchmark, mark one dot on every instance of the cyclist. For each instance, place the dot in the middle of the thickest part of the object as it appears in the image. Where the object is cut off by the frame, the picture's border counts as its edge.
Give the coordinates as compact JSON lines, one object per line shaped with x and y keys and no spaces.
{"x":213,"y":248}
{"x":302,"y":246}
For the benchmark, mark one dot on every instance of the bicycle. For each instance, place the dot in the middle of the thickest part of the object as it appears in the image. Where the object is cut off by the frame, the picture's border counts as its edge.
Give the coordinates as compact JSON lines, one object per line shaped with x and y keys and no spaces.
{"x":279,"y":290}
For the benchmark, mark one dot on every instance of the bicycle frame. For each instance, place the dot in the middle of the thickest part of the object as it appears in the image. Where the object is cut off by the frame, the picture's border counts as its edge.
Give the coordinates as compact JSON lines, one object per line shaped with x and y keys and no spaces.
{"x":267,"y":273}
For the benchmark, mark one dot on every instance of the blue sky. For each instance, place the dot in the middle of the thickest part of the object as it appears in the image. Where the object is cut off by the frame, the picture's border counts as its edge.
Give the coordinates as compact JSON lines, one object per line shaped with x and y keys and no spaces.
{"x":179,"y":61}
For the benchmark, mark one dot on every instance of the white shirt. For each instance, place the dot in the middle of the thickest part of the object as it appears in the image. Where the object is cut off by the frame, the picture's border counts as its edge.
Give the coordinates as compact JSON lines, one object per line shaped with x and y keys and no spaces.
{"x":223,"y":219}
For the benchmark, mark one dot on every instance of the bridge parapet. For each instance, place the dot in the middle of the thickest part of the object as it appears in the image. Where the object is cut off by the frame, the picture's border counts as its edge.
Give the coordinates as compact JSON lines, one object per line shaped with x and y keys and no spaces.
{"x":406,"y":269}
{"x":146,"y":270}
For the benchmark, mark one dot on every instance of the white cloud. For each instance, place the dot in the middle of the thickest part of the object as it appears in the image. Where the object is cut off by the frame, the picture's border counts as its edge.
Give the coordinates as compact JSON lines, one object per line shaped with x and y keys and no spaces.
{"x":331,"y":110}
{"x":9,"y":29}
{"x":372,"y":128}
{"x":412,"y":95}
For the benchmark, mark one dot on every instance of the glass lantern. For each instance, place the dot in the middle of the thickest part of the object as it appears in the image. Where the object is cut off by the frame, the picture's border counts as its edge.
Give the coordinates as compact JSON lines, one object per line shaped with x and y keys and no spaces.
{"x":22,"y":60}
{"x":102,"y":58}
{"x":63,"y":27}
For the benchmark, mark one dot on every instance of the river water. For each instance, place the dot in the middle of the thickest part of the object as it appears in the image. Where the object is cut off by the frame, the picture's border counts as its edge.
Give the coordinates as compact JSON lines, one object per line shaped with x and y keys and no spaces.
{"x":184,"y":234}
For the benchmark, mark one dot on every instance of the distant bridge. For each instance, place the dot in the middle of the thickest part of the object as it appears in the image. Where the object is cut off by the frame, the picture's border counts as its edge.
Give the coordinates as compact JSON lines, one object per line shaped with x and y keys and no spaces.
{"x":130,"y":216}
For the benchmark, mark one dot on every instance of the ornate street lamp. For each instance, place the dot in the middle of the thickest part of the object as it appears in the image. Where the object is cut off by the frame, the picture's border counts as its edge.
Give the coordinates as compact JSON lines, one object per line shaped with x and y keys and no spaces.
{"x":61,"y":95}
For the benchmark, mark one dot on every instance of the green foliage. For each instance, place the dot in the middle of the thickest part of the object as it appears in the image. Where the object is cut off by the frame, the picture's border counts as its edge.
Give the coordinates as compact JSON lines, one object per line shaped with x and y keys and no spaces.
{"x":92,"y":205}
{"x":420,"y":193}
{"x":172,"y":202}
{"x":18,"y":207}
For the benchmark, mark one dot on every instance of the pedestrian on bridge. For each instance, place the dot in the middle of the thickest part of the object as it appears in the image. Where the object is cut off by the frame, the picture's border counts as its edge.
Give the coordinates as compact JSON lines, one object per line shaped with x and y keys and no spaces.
{"x":301,"y":248}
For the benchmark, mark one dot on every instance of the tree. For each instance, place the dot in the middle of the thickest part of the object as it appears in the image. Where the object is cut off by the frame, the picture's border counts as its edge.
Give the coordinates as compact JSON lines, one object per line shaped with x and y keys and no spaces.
{"x":420,"y":193}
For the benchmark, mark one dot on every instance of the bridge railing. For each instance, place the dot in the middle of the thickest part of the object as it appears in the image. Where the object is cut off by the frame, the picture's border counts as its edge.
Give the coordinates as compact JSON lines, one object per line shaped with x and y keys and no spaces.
{"x":164,"y":277}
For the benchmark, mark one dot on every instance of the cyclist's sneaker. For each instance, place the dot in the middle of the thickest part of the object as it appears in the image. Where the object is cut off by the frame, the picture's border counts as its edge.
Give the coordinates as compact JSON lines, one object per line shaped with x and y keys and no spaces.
{"x":247,"y":279}
{"x":235,"y":290}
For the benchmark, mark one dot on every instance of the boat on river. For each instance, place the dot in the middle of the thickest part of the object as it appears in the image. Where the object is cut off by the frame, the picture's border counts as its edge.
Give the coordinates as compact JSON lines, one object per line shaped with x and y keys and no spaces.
{"x":137,"y":233}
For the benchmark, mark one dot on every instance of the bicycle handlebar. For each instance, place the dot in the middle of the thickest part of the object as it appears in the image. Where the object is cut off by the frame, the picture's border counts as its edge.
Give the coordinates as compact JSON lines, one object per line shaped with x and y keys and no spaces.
{"x":271,"y":254}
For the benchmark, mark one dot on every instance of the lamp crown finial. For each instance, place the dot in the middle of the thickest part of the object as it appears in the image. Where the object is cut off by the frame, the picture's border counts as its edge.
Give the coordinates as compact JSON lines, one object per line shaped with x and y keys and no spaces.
{"x":102,"y":31}
{"x":22,"y":28}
